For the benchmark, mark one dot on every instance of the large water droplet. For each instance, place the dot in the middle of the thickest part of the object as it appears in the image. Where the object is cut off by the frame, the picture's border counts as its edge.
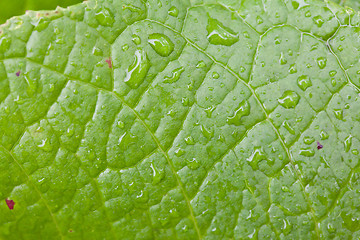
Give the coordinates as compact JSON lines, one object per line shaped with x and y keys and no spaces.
{"x":137,"y":71}
{"x":4,"y":43}
{"x":104,"y":17}
{"x":136,"y":39}
{"x":324,"y":135}
{"x":304,"y":82}
{"x":161,"y":44}
{"x":173,"y":11}
{"x":209,"y":111}
{"x":218,"y":34}
{"x":347,"y":143}
{"x":289,"y":99}
{"x":242,"y":110}
{"x":175,"y":75}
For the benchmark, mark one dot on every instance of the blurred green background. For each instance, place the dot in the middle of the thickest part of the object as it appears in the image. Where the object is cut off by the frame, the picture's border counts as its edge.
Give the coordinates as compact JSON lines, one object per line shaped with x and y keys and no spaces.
{"x":9,"y":8}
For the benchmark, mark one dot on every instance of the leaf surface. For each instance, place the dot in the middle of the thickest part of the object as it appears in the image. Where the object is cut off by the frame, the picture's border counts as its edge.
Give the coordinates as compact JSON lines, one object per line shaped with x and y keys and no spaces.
{"x":181,"y":120}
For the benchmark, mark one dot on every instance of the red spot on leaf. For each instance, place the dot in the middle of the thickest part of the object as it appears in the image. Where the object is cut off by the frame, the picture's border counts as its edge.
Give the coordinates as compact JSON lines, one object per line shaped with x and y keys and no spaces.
{"x":319,"y":146}
{"x":10,"y":204}
{"x":109,"y":62}
{"x":18,"y":73}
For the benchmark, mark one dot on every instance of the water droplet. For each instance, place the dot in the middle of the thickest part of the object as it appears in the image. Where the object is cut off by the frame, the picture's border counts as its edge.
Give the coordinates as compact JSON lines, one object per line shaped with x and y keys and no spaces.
{"x":209,"y":111}
{"x":31,"y":84}
{"x":157,"y":175}
{"x":142,"y":197}
{"x":200,"y":64}
{"x":277,"y":40}
{"x":132,"y":8}
{"x":321,"y":61}
{"x":125,"y":47}
{"x":338,"y":114}
{"x":309,"y":140}
{"x":242,"y":69}
{"x":189,"y":140}
{"x":137,"y":71}
{"x":292,"y":69}
{"x":330,"y":228}
{"x":259,"y":20}
{"x":120,"y":124}
{"x":97,"y":51}
{"x":179,"y":152}
{"x":215,"y":75}
{"x":285,"y":189}
{"x":307,"y":152}
{"x":45,"y":145}
{"x":287,"y":227}
{"x":318,"y":21}
{"x":287,"y":126}
{"x":282,"y":59}
{"x":161,"y":44}
{"x":257,"y":156}
{"x":136,"y":39}
{"x":70,"y":131}
{"x":347,"y":143}
{"x":41,"y":24}
{"x":175,"y":75}
{"x":289,"y":99}
{"x":218,"y":34}
{"x":193,"y":164}
{"x":185,"y":101}
{"x":242,"y":110}
{"x":324,"y":135}
{"x":51,"y":87}
{"x":355,"y":152}
{"x":173,"y":11}
{"x":208,"y":133}
{"x":340,"y":48}
{"x":104,"y":16}
{"x":308,"y":14}
{"x":351,"y":222}
{"x":332,"y":73}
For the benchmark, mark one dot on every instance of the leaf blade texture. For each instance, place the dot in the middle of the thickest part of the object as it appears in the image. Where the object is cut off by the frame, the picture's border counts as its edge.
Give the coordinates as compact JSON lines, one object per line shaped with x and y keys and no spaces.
{"x":181,"y":119}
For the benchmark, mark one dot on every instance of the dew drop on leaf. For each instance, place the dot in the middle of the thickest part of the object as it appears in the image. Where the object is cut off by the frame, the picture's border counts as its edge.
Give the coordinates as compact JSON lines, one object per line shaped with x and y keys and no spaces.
{"x":161,"y":44}
{"x":289,"y":99}
{"x":241,"y":111}
{"x":218,"y":34}
{"x":348,"y":143}
{"x":136,"y":72}
{"x":104,"y":17}
{"x":175,"y":75}
{"x":173,"y":11}
{"x":307,"y":152}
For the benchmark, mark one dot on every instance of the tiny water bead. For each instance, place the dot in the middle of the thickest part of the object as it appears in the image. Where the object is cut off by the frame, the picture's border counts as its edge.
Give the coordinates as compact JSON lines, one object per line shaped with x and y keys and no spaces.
{"x":218,"y":34}
{"x":321,"y":61}
{"x":161,"y":44}
{"x":307,"y":152}
{"x":136,"y":39}
{"x":289,"y":99}
{"x":348,"y":143}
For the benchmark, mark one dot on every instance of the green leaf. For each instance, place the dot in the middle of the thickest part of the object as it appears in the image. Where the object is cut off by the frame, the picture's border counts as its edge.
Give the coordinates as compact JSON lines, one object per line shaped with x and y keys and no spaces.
{"x":9,"y":8}
{"x":181,"y":120}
